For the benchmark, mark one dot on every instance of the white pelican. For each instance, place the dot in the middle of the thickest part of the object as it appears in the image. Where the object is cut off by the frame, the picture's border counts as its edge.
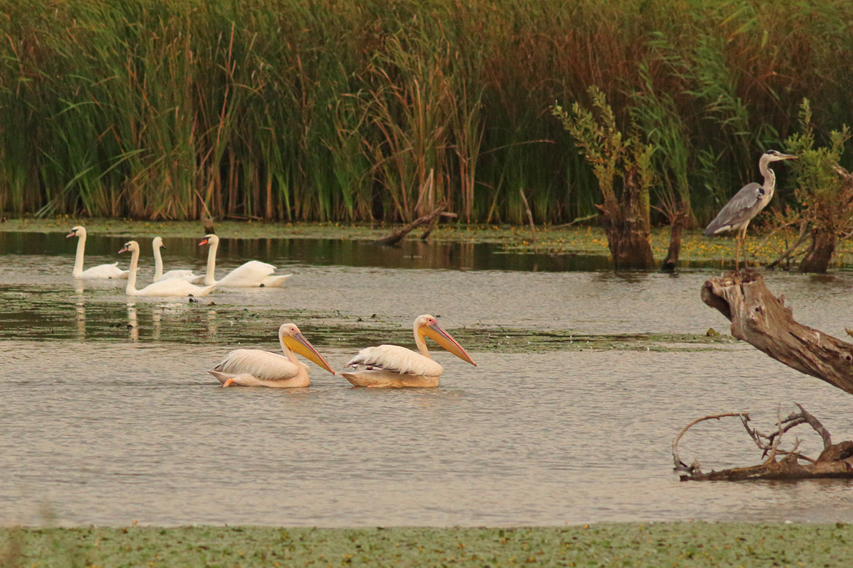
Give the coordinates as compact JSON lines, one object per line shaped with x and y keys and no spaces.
{"x":392,"y":366}
{"x":162,"y":288}
{"x":253,"y":273}
{"x":102,"y":272}
{"x":187,"y":275}
{"x":257,"y":368}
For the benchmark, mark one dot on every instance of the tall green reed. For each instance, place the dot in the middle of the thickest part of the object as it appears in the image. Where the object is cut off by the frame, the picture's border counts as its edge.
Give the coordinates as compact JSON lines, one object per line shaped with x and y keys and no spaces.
{"x":280,"y":109}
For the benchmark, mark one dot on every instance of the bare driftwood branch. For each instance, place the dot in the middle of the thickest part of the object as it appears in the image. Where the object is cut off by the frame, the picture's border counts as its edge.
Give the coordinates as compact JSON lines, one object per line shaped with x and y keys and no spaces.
{"x":694,"y":468}
{"x":401,"y":233}
{"x":836,"y":460}
{"x":804,"y":236}
{"x":816,"y":426}
{"x":762,"y":320}
{"x":576,"y":221}
{"x":530,"y":218}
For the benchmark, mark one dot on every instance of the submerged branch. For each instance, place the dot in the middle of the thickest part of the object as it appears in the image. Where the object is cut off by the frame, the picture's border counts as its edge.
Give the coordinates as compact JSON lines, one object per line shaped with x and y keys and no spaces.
{"x":401,"y":233}
{"x":836,"y":460}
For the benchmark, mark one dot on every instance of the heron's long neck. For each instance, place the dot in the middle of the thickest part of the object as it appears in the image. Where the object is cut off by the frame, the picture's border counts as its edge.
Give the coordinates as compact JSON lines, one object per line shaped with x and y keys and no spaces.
{"x":419,"y":341}
{"x":209,"y":279}
{"x":81,"y":250}
{"x":158,"y":264}
{"x":131,"y":278}
{"x":769,"y":178}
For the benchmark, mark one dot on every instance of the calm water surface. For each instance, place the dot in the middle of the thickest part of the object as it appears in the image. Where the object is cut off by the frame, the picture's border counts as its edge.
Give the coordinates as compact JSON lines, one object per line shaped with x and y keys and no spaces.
{"x":107,"y":414}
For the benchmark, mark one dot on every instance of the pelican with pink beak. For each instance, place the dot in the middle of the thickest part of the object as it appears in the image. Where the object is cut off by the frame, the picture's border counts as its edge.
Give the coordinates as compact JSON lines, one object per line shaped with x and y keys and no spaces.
{"x":392,"y":366}
{"x":258,"y":368}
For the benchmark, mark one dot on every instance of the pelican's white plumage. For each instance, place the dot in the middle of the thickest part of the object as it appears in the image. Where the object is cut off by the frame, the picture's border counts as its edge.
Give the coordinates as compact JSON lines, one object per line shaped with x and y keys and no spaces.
{"x":257,"y":368}
{"x":187,"y":275}
{"x":391,"y":366}
{"x":173,"y":287}
{"x":101,"y":272}
{"x":253,"y":273}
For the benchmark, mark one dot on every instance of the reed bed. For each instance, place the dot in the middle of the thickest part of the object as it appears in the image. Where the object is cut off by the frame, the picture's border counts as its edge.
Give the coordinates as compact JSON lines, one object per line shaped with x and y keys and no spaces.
{"x":359,"y":110}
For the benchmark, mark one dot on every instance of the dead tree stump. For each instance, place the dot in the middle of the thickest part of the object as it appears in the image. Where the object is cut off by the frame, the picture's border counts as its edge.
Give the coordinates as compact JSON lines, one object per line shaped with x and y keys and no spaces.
{"x":762,"y":320}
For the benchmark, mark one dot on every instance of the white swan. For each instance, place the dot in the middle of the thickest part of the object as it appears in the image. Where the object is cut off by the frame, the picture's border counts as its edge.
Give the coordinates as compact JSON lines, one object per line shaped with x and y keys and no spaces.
{"x":103,"y":272}
{"x":253,"y":273}
{"x":162,"y":288}
{"x":187,"y":275}
{"x":257,"y":368}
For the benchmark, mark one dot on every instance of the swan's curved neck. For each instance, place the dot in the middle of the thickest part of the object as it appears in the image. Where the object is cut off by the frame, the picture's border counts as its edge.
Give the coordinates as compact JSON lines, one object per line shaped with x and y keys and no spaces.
{"x":131,"y":278}
{"x":419,"y":341}
{"x":209,"y":279}
{"x":81,"y":249}
{"x":158,"y":264}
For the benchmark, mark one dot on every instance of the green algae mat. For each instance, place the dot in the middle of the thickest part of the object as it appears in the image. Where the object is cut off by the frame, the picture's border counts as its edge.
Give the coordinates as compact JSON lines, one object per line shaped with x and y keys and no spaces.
{"x":684,"y":544}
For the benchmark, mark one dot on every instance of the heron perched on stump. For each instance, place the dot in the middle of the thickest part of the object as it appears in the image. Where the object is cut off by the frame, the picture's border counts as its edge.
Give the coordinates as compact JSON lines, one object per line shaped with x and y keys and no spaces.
{"x":747,"y":203}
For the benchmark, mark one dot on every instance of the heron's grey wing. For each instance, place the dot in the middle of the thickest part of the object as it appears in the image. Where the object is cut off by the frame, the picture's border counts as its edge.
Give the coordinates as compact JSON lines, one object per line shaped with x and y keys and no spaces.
{"x":741,"y":208}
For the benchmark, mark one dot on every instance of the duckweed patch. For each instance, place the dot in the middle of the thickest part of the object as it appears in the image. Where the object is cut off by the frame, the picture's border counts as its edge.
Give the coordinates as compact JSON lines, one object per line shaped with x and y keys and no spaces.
{"x":684,"y":544}
{"x":34,"y":316}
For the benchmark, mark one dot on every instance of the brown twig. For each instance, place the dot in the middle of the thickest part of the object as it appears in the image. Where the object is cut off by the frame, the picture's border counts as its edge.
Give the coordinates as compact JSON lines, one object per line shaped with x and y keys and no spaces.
{"x":576,"y":221}
{"x":800,"y":240}
{"x":530,"y":218}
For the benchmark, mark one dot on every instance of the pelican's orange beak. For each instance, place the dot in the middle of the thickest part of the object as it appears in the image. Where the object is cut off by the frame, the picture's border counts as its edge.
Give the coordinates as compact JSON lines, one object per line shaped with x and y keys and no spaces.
{"x":437,"y":334}
{"x":298,"y":344}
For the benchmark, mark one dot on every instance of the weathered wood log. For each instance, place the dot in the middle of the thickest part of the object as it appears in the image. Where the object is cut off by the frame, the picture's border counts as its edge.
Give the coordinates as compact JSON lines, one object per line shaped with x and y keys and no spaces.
{"x":786,"y":468}
{"x":762,"y":320}
{"x":401,"y":233}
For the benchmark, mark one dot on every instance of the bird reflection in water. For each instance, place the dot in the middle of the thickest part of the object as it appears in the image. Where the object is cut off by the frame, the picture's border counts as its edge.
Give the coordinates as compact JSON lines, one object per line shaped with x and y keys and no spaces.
{"x":132,"y":321}
{"x":156,"y":315}
{"x":212,"y":324}
{"x":80,"y":308}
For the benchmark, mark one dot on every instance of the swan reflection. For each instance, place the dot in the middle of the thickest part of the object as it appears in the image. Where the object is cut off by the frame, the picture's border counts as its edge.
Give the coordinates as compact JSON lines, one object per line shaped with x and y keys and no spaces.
{"x":132,"y":322}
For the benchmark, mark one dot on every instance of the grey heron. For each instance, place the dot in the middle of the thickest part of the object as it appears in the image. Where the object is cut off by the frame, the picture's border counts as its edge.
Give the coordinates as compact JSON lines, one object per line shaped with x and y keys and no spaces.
{"x":747,"y":203}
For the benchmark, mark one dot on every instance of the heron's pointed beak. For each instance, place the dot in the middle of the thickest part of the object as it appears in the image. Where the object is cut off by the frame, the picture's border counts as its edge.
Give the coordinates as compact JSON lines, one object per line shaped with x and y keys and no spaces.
{"x":789,"y":157}
{"x":437,"y":334}
{"x":123,"y":249}
{"x":203,"y":242}
{"x":298,"y":344}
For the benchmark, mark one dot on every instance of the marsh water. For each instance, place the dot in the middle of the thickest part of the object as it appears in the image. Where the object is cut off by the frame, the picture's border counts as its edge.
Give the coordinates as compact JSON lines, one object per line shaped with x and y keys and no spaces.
{"x":584,"y":376}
